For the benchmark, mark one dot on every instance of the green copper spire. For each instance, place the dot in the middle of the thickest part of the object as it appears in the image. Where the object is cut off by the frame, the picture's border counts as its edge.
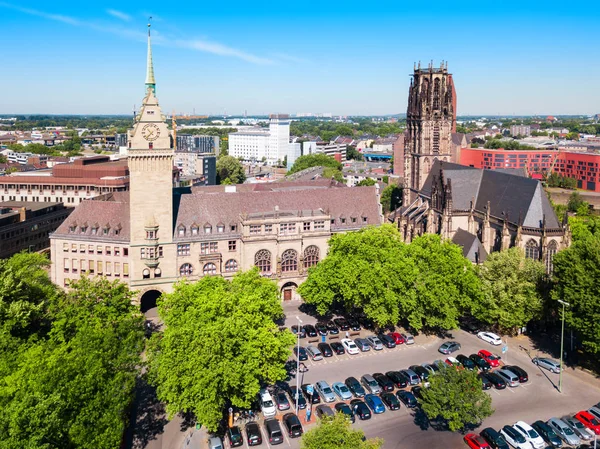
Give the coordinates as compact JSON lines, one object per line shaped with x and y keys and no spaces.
{"x":150,"y":81}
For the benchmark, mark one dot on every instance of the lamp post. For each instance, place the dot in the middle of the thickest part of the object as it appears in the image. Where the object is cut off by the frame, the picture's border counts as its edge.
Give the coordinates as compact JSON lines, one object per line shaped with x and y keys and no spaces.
{"x":562,"y":341}
{"x":298,"y":363}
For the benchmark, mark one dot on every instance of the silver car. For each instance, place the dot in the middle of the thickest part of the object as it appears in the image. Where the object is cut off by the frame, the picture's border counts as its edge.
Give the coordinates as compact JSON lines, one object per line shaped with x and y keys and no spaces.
{"x":325,"y":391}
{"x":314,"y":353}
{"x":375,"y":342}
{"x":370,"y":384}
{"x":363,"y":344}
{"x":549,"y":364}
{"x":580,"y":430}
{"x":564,"y":431}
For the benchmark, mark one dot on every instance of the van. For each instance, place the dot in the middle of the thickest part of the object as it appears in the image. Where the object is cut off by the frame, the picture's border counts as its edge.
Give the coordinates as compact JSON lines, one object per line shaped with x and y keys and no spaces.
{"x":273,"y":431}
{"x":267,"y":405}
{"x":511,"y":379}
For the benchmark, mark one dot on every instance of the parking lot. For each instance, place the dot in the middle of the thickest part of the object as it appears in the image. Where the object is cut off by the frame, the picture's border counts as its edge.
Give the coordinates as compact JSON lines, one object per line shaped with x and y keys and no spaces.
{"x":404,"y":428}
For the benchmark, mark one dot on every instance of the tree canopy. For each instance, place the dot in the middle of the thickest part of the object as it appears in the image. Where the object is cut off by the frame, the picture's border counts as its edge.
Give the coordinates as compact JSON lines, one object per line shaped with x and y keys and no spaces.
{"x":427,"y":283}
{"x":230,"y":170}
{"x":314,"y":160}
{"x":219,"y":346}
{"x":337,"y":433}
{"x":456,"y":395}
{"x":511,"y":285}
{"x":366,"y":182}
{"x":391,"y":198}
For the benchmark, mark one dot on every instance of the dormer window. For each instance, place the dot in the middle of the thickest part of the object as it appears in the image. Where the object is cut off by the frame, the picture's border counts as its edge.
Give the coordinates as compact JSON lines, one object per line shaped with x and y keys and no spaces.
{"x":220,"y":228}
{"x":72,"y":228}
{"x":105,"y":230}
{"x":181,"y":231}
{"x":95,"y":230}
{"x":83,"y":229}
{"x":207,"y":229}
{"x":151,"y":235}
{"x":195,"y":230}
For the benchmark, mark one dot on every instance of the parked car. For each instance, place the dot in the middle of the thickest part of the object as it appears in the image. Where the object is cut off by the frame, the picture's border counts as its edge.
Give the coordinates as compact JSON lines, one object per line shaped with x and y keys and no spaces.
{"x":342,"y":407}
{"x":313,"y":398}
{"x":416,"y":391}
{"x":564,"y":431}
{"x":273,"y":431}
{"x":421,"y":372}
{"x":370,"y":384}
{"x":587,"y":420}
{"x":384,"y":382}
{"x":480,"y":363}
{"x":387,"y":341}
{"x":342,"y":391}
{"x":354,"y":324}
{"x":466,"y":362}
{"x":595,"y":412}
{"x":375,"y":403}
{"x":413,"y":378}
{"x":337,"y":348}
{"x":293,"y":425}
{"x":546,"y":363}
{"x":547,"y":433}
{"x":451,"y":361}
{"x":520,"y":372}
{"x":407,"y":398}
{"x":267,"y":406}
{"x":295,"y":329}
{"x":534,"y":438}
{"x":342,"y":324}
{"x":234,"y":436}
{"x":492,"y":359}
{"x":253,"y":435}
{"x":215,"y":443}
{"x":511,"y":379}
{"x":390,"y":400}
{"x":399,"y":379}
{"x":321,"y":328}
{"x":514,"y":438}
{"x":475,"y":441}
{"x":408,"y":339}
{"x":431,"y":367}
{"x":325,"y":391}
{"x":449,"y":347}
{"x":375,"y":342}
{"x":324,"y":410}
{"x":332,"y":328}
{"x":355,"y":387}
{"x":300,"y":352}
{"x":314,"y":353}
{"x":281,"y":400}
{"x":490,"y":337}
{"x":301,"y":398}
{"x":310,"y":330}
{"x":325,"y":349}
{"x":350,"y":346}
{"x":485,"y":382}
{"x":497,"y":381}
{"x":398,"y":338}
{"x":362,"y":344}
{"x":494,"y":438}
{"x":360,"y":409}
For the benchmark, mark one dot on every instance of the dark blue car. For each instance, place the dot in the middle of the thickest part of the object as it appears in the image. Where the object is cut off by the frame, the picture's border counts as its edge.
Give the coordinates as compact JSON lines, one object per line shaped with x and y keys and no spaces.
{"x":375,"y":403}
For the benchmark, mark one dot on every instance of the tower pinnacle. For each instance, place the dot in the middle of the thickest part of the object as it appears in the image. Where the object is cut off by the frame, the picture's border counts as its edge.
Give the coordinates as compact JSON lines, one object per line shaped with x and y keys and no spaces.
{"x":150,"y":81}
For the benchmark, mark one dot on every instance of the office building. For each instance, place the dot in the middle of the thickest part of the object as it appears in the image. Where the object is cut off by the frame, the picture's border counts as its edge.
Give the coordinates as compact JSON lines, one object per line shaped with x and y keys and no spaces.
{"x":270,"y":145}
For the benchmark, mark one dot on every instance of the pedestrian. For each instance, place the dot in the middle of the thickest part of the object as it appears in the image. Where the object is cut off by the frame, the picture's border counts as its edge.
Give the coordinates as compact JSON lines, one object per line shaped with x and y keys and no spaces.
{"x":347,"y":334}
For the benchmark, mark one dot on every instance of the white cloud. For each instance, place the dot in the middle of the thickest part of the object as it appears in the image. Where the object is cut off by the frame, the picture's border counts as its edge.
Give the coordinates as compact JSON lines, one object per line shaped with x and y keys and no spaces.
{"x":222,"y":50}
{"x":119,"y":15}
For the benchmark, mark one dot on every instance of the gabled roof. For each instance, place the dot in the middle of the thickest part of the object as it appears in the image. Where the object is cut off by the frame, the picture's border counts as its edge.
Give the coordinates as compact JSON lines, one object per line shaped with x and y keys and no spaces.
{"x":472,"y":247}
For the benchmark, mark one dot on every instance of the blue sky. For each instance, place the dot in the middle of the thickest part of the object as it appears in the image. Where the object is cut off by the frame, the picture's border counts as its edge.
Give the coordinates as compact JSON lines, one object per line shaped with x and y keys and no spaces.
{"x":512,"y":57}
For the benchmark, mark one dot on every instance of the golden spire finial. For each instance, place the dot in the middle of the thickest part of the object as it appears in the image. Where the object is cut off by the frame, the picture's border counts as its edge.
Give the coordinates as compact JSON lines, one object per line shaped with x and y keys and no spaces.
{"x":150,"y":81}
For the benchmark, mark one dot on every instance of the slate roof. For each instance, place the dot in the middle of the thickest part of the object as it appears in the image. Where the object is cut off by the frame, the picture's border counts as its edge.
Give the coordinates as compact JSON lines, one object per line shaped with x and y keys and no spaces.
{"x":471,"y":245}
{"x":509,"y":195}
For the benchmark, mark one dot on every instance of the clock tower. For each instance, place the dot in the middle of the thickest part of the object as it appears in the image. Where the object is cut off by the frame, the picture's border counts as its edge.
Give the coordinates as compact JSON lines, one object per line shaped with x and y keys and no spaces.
{"x":150,"y":159}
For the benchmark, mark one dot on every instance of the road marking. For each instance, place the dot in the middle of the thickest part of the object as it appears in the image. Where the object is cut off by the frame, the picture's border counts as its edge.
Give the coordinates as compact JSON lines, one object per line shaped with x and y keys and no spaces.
{"x":497,"y":392}
{"x":510,"y":389}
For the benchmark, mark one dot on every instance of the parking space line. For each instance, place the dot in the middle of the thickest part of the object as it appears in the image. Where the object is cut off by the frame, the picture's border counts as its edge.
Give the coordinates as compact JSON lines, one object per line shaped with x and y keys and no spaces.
{"x":510,"y":389}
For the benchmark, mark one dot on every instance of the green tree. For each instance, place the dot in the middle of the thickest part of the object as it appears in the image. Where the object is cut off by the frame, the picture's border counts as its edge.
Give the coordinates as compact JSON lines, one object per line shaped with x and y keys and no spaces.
{"x":230,"y":171}
{"x":391,"y":198}
{"x":456,"y":396}
{"x":314,"y":160}
{"x":329,"y":172}
{"x":353,"y":153}
{"x":3,"y":159}
{"x":510,"y":285}
{"x":575,"y":202}
{"x":337,"y":433}
{"x":220,"y":344}
{"x":366,"y":182}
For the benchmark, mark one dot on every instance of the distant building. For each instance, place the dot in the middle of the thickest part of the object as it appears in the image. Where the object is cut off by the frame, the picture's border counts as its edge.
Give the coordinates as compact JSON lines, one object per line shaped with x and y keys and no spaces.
{"x":198,"y":144}
{"x":336,"y":151}
{"x":24,"y":158}
{"x":271,"y":144}
{"x":121,"y":140}
{"x":199,"y":167}
{"x":26,"y":226}
{"x":520,"y":130}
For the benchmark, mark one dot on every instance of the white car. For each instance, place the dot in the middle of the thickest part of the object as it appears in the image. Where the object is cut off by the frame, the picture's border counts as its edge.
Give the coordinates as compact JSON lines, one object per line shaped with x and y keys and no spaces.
{"x":530,"y":434}
{"x":490,"y":338}
{"x":514,"y":438}
{"x":350,"y":346}
{"x":267,"y":405}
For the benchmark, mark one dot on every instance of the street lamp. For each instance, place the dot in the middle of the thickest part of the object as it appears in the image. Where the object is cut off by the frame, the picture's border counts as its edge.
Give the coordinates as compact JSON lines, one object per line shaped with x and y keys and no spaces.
{"x":562,"y":341}
{"x":298,"y":363}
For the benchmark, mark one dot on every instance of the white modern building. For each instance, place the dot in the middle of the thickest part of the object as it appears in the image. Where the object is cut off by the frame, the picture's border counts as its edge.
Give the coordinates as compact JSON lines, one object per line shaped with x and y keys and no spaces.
{"x":334,"y":150}
{"x":270,"y":144}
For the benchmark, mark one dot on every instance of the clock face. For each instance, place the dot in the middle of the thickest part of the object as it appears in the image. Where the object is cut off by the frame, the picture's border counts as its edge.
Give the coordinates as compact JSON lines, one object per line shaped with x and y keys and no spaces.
{"x":150,"y":132}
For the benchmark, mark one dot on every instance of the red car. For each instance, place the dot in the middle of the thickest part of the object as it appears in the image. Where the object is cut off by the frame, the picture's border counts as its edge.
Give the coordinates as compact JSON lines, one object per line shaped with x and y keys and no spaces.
{"x":398,"y":338}
{"x":589,"y":421}
{"x":475,"y":441}
{"x":492,"y":359}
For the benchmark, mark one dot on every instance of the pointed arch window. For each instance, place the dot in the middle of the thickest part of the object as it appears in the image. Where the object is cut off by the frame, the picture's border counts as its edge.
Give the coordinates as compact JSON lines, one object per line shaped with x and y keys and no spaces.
{"x":262,"y":259}
{"x":550,"y":252}
{"x":436,"y":94}
{"x":532,"y":250}
{"x":289,"y":260}
{"x":311,"y":256}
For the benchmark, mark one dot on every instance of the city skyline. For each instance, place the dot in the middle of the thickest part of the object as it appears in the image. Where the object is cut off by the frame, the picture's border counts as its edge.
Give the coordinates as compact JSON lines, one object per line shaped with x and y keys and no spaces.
{"x":263,"y":59}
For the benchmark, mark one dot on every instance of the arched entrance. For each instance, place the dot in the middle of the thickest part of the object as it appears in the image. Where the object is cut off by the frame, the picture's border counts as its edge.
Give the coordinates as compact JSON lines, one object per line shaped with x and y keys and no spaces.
{"x":148,"y":302}
{"x":288,"y":291}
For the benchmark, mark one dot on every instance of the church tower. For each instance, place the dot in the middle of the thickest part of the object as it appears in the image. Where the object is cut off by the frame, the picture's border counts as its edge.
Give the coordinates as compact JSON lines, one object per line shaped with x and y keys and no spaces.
{"x":151,"y":185}
{"x":430,"y":122}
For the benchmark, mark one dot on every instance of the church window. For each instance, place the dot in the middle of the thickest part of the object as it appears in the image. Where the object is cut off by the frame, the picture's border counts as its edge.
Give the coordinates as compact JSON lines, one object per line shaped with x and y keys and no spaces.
{"x":209,"y":269}
{"x":311,"y":256}
{"x":231,"y":265}
{"x":436,"y":94}
{"x":550,"y":252}
{"x":186,"y":270}
{"x":262,"y":259}
{"x":289,"y":260}
{"x":532,"y":250}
